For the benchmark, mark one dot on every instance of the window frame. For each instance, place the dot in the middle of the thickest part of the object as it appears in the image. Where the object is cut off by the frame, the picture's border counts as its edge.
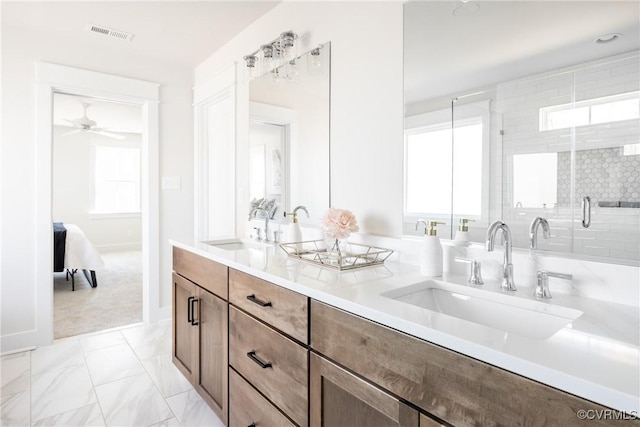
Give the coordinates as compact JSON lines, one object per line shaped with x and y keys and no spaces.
{"x":544,"y":112}
{"x":441,"y":119}
{"x":95,"y":146}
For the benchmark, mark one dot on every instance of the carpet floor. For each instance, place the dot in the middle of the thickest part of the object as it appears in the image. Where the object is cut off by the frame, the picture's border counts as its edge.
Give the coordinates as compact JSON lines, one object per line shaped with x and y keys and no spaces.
{"x":117,"y":301}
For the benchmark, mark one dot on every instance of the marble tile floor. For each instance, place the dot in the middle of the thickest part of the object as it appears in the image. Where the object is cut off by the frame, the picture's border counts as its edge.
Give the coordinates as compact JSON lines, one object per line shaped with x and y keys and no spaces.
{"x":121,"y":377}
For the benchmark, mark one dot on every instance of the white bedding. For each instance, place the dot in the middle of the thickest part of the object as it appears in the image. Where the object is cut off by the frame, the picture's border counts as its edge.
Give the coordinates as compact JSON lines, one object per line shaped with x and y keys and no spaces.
{"x":79,"y":251}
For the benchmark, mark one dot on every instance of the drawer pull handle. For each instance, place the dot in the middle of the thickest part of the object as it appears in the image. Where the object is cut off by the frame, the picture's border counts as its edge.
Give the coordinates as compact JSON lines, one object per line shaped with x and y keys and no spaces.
{"x":189,"y":312}
{"x":194,"y":322}
{"x":255,"y":300}
{"x":263,"y":365}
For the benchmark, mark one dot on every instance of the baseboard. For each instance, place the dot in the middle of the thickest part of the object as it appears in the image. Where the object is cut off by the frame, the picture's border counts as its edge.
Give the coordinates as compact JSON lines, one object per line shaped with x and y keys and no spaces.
{"x":20,"y":341}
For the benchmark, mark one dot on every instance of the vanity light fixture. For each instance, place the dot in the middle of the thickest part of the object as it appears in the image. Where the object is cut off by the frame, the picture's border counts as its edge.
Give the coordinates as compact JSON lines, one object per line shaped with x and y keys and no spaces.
{"x":270,"y":56}
{"x":267,"y":55}
{"x":252,"y":62}
{"x":287,"y":43}
{"x":607,"y":38}
{"x":293,"y":69}
{"x":315,"y":58}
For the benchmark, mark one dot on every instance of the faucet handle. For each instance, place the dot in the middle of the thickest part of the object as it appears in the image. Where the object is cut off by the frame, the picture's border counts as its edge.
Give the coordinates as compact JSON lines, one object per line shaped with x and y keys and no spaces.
{"x":276,"y":236}
{"x":258,"y":233}
{"x":475,"y":274}
{"x":542,"y":287}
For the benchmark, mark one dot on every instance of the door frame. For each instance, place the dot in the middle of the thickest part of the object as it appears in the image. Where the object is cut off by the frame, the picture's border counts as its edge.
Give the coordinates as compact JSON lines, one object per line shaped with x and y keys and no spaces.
{"x":50,"y":79}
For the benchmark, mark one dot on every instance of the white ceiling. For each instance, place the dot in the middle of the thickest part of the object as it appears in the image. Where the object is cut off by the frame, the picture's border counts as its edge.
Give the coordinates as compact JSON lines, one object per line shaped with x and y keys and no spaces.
{"x":177,"y":32}
{"x":182,"y":32}
{"x":449,"y":55}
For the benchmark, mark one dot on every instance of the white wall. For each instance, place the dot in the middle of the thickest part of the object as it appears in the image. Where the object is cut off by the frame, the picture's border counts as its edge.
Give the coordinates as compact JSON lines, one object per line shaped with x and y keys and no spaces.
{"x":20,"y":51}
{"x":72,"y":180}
{"x":366,"y":99}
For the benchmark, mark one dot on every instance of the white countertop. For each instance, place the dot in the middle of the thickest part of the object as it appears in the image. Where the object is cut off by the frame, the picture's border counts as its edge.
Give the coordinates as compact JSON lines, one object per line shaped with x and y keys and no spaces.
{"x":597,"y":357}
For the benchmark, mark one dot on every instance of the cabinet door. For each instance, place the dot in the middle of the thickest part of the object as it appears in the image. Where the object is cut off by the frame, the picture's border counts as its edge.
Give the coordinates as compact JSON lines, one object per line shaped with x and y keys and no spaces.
{"x":339,"y":398}
{"x":248,"y":407}
{"x":426,"y":421}
{"x":184,"y":332}
{"x":211,"y":351}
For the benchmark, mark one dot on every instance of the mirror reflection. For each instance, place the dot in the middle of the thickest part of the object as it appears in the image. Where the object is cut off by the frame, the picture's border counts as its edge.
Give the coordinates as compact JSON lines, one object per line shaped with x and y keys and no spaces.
{"x":513,"y":123}
{"x":289,"y":138}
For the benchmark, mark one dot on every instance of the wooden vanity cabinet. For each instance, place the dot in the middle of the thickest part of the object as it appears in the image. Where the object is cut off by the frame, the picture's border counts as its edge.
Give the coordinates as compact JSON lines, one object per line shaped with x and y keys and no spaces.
{"x":296,"y":361}
{"x":200,"y":326}
{"x":339,"y":398}
{"x":450,"y":386}
{"x":268,"y":331}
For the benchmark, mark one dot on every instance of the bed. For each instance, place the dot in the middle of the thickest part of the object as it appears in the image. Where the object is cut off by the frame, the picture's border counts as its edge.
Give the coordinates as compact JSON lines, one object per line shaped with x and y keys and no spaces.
{"x":73,"y":252}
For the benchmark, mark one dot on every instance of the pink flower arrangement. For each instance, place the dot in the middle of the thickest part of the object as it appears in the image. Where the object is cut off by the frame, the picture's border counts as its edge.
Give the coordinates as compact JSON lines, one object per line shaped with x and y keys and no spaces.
{"x":339,"y":223}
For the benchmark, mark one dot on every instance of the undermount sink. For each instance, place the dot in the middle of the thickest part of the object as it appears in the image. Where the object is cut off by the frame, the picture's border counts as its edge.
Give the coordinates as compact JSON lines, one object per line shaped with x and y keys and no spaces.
{"x":234,"y":244}
{"x":533,"y":319}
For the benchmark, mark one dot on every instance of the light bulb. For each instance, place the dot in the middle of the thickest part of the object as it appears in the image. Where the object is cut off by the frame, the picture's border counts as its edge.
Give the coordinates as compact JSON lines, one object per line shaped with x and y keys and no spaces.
{"x":316,"y":62}
{"x":275,"y":76}
{"x":289,"y":53}
{"x":252,"y":65}
{"x":267,"y":56}
{"x":288,"y":50}
{"x":293,"y":69}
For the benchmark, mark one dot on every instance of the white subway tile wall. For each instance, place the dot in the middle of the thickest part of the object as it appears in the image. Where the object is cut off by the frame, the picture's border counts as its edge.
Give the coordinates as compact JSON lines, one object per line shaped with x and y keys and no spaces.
{"x":601,"y":170}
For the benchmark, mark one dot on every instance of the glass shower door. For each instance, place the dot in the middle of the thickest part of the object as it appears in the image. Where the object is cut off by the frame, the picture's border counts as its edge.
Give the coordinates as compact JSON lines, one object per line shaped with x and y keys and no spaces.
{"x":606,"y":162}
{"x":536,"y":179}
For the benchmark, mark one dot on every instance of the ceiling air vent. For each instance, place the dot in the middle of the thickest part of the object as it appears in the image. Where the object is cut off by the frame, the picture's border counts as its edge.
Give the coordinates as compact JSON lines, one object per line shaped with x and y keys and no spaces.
{"x":110,"y":32}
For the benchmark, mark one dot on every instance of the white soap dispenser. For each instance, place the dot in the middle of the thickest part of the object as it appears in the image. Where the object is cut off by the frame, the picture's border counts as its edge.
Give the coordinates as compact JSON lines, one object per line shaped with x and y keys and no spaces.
{"x":462,"y":234}
{"x":294,"y":233}
{"x":430,"y":250}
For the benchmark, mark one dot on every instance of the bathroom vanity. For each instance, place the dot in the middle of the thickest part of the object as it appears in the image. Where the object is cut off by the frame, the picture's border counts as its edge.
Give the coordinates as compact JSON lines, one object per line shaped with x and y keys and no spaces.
{"x":310,"y":346}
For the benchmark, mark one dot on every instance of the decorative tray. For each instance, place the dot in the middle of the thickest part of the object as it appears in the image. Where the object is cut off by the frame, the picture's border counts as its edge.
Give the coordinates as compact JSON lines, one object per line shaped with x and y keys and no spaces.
{"x":355,"y":255}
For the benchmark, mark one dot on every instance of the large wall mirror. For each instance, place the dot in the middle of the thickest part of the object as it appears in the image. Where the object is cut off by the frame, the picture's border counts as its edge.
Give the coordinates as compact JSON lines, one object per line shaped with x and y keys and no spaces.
{"x":522,"y":109}
{"x":289,"y":138}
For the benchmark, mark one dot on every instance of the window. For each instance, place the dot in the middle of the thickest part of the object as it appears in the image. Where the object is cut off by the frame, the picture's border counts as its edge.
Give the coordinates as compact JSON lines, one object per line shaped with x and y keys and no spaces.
{"x":116,"y":180}
{"x":535,"y":180}
{"x":433,"y":169}
{"x":615,"y":108}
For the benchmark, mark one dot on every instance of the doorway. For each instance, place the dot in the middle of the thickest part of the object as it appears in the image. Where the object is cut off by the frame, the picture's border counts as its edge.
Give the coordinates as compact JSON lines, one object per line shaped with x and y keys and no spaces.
{"x":97,"y":280}
{"x":53,"y":79}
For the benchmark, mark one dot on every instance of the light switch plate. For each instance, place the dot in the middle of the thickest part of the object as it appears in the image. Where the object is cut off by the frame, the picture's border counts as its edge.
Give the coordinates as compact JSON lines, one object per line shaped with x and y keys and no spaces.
{"x":171,"y":183}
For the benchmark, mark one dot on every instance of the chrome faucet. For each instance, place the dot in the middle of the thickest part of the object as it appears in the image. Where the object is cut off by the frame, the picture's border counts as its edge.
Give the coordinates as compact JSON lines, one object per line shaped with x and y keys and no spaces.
{"x":507,"y":268}
{"x":253,"y":213}
{"x":542,"y":288}
{"x":533,"y":232}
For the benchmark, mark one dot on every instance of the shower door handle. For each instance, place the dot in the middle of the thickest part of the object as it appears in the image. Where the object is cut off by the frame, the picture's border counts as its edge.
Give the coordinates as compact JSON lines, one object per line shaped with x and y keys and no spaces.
{"x":586,"y":211}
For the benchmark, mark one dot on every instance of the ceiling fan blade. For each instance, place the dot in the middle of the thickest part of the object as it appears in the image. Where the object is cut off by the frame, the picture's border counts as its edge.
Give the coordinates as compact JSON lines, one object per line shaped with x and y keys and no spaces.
{"x":107,"y":134}
{"x":73,"y":132}
{"x":73,"y":123}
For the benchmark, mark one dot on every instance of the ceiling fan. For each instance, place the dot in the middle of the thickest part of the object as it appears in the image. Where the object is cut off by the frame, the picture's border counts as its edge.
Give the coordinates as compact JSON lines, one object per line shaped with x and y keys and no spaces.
{"x":85,"y":124}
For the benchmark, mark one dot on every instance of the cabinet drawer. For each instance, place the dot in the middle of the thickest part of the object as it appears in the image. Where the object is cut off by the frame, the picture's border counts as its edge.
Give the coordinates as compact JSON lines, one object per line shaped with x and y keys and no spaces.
{"x":272,"y":363}
{"x":453,"y":387}
{"x":247,"y":406}
{"x":208,"y":274}
{"x":275,"y":305}
{"x":339,"y":398}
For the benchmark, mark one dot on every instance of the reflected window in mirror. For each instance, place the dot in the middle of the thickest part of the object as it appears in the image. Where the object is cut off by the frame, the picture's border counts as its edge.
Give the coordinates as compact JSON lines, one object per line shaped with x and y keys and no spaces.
{"x":535,"y":180}
{"x":439,"y":160}
{"x":564,"y":115}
